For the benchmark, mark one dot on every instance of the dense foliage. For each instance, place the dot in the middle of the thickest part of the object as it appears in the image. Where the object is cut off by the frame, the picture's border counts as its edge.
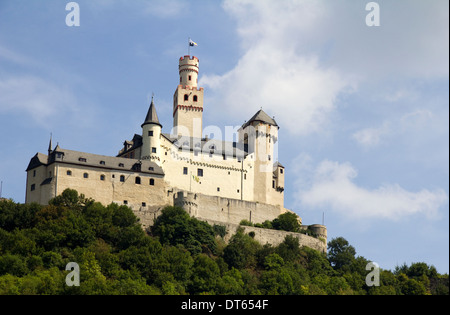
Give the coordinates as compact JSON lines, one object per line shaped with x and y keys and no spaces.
{"x":180,"y":255}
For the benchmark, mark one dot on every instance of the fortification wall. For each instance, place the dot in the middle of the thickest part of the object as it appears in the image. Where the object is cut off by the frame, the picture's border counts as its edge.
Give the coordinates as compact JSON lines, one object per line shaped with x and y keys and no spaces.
{"x":229,"y":213}
{"x":273,"y":237}
{"x":225,"y":209}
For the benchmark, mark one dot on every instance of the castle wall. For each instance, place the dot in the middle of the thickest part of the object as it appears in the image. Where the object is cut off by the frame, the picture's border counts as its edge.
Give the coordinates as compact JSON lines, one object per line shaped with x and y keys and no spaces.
{"x":216,"y":208}
{"x":224,"y":178}
{"x":39,"y":188}
{"x":273,"y":237}
{"x":103,"y":185}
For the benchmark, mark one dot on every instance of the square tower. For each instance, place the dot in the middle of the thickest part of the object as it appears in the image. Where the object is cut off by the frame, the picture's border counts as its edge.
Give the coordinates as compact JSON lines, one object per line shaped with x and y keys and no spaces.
{"x":188,"y":100}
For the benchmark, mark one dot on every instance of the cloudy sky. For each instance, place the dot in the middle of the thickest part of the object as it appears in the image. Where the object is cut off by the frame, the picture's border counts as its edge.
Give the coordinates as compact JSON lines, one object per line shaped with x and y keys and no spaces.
{"x":363,"y":110}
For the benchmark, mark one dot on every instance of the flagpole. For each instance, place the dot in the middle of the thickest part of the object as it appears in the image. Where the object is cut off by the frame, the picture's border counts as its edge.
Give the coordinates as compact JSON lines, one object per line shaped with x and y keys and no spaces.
{"x":189,"y":46}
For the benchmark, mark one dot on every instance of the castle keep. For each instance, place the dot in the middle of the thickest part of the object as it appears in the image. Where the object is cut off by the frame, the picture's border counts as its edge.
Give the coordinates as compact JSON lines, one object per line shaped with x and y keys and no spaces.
{"x":223,"y":182}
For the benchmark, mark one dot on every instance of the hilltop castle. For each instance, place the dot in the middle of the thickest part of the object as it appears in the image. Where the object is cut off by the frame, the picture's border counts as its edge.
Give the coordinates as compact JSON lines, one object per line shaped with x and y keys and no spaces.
{"x":219,"y":181}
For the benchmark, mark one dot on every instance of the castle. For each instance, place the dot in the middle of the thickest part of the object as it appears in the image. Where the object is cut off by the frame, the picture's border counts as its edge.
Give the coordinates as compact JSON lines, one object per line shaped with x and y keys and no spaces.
{"x":216,"y":180}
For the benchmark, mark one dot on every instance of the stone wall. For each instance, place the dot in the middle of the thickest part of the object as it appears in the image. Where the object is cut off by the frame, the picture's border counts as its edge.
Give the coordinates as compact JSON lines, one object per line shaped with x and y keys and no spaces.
{"x":273,"y":237}
{"x":225,"y":209}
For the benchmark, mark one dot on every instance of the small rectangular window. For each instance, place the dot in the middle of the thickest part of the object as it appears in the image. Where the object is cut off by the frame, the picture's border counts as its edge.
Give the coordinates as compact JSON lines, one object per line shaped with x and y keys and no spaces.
{"x":144,"y":204}
{"x":34,"y":173}
{"x":200,"y":172}
{"x":153,"y":150}
{"x":273,"y":184}
{"x":33,"y":187}
{"x":281,"y":171}
{"x":218,"y":188}
{"x":82,"y":160}
{"x":185,"y":170}
{"x":150,"y":133}
{"x":125,"y":202}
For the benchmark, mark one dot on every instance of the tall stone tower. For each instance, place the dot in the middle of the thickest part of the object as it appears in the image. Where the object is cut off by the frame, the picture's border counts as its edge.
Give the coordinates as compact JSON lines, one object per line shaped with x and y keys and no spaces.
{"x":260,"y":135}
{"x":151,"y":136}
{"x":188,"y":100}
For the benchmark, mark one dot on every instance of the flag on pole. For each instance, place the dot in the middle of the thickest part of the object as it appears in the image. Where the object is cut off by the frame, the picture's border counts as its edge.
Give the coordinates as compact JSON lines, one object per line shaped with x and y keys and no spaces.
{"x":196,"y":178}
{"x":192,"y":43}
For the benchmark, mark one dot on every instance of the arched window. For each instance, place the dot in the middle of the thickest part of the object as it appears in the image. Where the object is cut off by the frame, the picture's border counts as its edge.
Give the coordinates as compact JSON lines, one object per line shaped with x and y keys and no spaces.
{"x":195,"y":98}
{"x":102,"y":177}
{"x":122,"y":178}
{"x":152,"y":182}
{"x":138,"y":180}
{"x":86,"y":175}
{"x":186,"y":97}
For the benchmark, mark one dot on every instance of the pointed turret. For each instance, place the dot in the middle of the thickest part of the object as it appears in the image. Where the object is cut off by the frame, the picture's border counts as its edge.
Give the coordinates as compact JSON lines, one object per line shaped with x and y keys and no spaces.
{"x":262,"y":117}
{"x":152,"y":117}
{"x":151,"y":136}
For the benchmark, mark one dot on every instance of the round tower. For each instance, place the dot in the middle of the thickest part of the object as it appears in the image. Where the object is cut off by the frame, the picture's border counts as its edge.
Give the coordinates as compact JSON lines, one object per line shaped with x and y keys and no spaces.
{"x":188,"y":69}
{"x":151,"y":136}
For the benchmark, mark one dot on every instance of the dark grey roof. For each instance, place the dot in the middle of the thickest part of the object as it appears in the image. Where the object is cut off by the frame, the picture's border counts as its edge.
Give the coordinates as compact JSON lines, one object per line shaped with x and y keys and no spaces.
{"x":59,"y":155}
{"x":262,"y":117}
{"x":152,"y":117}
{"x":37,"y":160}
{"x":208,"y":146}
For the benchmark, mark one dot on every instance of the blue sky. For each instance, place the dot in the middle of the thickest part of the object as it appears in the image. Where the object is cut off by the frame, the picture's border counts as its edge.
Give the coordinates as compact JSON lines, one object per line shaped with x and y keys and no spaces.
{"x":363,"y":111}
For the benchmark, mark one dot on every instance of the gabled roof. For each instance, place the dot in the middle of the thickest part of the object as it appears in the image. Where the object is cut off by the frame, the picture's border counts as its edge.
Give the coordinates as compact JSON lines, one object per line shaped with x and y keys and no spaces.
{"x":152,"y":117}
{"x":37,"y":160}
{"x":261,"y":116}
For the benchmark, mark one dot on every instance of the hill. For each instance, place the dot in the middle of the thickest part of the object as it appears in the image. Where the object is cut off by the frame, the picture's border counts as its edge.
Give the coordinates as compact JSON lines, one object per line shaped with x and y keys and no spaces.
{"x":180,"y":255}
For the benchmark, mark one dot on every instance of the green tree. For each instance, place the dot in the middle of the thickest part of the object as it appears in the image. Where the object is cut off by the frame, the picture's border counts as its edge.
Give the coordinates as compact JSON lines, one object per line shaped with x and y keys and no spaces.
{"x":174,"y":226}
{"x":287,"y":222}
{"x":340,"y":253}
{"x":205,"y":275}
{"x":241,"y":251}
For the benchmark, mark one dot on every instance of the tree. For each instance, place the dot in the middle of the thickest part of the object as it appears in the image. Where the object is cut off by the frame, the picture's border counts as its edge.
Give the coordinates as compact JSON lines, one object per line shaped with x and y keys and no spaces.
{"x":205,"y":275}
{"x":287,"y":222}
{"x":174,"y":226}
{"x":340,"y":253}
{"x":241,"y":251}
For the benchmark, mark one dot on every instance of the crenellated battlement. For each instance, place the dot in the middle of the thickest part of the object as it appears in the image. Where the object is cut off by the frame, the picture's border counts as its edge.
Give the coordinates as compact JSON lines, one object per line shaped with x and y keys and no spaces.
{"x":187,"y":58}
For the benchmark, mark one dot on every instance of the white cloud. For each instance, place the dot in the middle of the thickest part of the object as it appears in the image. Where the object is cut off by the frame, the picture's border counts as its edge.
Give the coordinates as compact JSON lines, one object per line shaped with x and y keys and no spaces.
{"x":35,"y":98}
{"x":332,"y":186}
{"x":271,"y":73}
{"x":409,"y":124}
{"x":299,"y":56}
{"x":371,"y":137}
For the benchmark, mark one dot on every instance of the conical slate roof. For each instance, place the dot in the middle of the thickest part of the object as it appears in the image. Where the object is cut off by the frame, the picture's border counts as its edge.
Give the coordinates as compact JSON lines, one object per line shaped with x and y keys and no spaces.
{"x":152,"y":117}
{"x":262,"y":117}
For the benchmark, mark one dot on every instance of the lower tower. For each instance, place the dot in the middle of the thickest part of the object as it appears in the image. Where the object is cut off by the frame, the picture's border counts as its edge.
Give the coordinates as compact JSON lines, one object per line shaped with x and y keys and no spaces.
{"x":151,"y":136}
